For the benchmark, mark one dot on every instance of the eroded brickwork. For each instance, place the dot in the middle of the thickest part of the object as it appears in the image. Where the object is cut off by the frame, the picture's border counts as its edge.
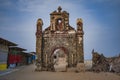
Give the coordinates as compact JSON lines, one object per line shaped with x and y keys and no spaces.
{"x":59,"y":36}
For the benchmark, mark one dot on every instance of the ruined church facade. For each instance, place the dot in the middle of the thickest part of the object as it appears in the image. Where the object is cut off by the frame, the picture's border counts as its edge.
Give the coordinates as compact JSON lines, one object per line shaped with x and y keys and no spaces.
{"x":59,"y":41}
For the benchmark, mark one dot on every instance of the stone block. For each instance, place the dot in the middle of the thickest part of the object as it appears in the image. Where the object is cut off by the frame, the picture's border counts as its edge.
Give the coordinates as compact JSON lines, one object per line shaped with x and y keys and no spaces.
{"x":60,"y":67}
{"x":80,"y":67}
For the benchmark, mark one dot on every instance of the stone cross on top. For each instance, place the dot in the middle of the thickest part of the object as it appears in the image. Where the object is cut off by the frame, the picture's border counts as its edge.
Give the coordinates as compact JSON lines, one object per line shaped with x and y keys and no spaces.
{"x":59,"y":9}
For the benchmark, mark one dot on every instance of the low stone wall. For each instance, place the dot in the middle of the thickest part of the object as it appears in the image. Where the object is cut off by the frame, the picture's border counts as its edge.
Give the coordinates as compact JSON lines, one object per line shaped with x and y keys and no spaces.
{"x":88,"y":64}
{"x":62,"y":68}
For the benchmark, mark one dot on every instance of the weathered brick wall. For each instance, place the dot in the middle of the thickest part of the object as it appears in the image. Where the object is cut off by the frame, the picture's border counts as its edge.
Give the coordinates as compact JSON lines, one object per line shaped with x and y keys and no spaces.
{"x":55,"y":41}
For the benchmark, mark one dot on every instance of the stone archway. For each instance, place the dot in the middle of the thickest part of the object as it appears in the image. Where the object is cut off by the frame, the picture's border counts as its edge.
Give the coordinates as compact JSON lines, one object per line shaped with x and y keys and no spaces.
{"x":60,"y":57}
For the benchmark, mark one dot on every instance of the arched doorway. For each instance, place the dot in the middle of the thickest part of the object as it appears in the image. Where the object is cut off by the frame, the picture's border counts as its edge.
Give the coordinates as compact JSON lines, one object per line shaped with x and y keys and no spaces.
{"x":60,"y":59}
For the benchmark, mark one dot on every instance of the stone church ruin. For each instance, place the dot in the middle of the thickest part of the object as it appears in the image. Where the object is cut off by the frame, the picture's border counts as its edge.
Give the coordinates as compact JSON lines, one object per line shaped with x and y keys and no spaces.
{"x":59,"y":44}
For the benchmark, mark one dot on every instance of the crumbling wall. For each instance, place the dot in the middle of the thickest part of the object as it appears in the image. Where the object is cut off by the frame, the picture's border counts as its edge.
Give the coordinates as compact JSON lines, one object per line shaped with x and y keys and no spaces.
{"x":115,"y":63}
{"x":101,"y":63}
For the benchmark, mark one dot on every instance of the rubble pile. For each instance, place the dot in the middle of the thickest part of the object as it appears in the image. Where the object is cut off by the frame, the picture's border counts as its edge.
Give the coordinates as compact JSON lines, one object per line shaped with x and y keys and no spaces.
{"x":101,"y":63}
{"x":115,"y":62}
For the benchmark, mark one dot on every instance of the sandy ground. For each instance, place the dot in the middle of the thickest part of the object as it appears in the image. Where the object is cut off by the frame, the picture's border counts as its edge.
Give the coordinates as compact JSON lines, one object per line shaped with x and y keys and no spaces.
{"x":28,"y":73}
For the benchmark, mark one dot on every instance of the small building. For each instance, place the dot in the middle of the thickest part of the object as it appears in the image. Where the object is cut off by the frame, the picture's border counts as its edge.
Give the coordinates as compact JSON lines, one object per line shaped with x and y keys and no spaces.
{"x":4,"y":49}
{"x":29,"y":58}
{"x":33,"y":57}
{"x":24,"y":58}
{"x":15,"y":57}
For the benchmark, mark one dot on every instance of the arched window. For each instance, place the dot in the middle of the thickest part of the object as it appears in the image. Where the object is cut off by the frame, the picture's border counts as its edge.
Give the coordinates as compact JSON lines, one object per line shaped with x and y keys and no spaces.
{"x":59,"y":21}
{"x":59,"y":24}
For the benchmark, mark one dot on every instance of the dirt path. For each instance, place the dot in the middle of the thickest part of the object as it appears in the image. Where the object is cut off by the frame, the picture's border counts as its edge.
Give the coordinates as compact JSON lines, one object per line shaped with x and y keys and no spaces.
{"x":27,"y":73}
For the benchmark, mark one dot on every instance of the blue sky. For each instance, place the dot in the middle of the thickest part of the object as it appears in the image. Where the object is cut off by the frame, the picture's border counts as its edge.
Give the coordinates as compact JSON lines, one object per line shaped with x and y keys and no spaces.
{"x":101,"y":19}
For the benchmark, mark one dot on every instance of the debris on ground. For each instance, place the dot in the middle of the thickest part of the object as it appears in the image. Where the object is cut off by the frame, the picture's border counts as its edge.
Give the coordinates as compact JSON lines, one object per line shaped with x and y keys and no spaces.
{"x":102,"y":63}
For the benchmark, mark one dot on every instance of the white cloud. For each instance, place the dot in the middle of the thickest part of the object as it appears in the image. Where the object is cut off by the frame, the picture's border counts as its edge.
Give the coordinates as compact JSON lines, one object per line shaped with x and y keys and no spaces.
{"x":91,"y":26}
{"x":43,"y":8}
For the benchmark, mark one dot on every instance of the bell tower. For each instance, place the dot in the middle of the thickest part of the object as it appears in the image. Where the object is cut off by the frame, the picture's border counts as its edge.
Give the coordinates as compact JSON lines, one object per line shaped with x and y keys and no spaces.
{"x":79,"y":38}
{"x":39,"y":43}
{"x":59,"y":20}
